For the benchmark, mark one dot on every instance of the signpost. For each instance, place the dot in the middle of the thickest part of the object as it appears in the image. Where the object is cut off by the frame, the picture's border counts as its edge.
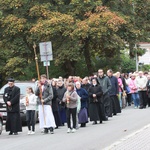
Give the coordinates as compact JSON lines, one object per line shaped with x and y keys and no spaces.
{"x":46,"y":54}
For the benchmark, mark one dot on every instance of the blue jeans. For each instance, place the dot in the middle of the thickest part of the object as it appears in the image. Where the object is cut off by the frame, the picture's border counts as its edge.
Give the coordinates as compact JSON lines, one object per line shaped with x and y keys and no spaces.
{"x":120,"y":99}
{"x":135,"y":97}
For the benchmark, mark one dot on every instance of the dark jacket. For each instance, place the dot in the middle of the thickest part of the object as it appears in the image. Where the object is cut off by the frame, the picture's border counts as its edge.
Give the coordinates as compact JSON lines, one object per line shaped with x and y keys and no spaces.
{"x":148,"y":88}
{"x":54,"y":100}
{"x":47,"y":94}
{"x":86,"y":86}
{"x":105,"y":84}
{"x":124,"y":83}
{"x":12,"y":95}
{"x":84,"y":96}
{"x":60,"y":92}
{"x":114,"y":86}
{"x":95,"y":90}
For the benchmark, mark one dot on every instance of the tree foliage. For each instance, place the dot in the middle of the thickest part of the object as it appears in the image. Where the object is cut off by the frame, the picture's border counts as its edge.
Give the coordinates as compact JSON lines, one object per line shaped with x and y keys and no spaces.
{"x":80,"y":30}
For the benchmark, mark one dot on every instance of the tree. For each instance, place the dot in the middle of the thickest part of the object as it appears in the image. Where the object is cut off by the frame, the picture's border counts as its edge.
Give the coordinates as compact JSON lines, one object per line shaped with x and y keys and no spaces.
{"x":79,"y":30}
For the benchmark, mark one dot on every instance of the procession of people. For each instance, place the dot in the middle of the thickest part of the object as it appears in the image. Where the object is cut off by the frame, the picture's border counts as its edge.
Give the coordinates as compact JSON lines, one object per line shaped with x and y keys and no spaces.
{"x":76,"y":101}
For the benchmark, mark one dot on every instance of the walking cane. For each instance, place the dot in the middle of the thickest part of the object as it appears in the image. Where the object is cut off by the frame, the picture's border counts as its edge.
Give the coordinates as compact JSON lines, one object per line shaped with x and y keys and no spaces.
{"x":38,"y":73}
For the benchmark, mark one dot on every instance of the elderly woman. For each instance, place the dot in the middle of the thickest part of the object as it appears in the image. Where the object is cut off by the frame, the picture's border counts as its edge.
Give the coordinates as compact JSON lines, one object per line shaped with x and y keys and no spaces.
{"x":70,"y":98}
{"x":95,"y":106}
{"x":134,"y":90}
{"x":83,"y":94}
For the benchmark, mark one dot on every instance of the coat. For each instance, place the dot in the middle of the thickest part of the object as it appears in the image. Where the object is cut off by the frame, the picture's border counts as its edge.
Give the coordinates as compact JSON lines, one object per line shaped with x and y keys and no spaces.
{"x":47,"y":94}
{"x":114,"y":90}
{"x":73,"y":99}
{"x":95,"y":90}
{"x":105,"y":84}
{"x":132,"y":85}
{"x":54,"y":100}
{"x":13,"y":122}
{"x":83,"y":97}
{"x":60,"y":92}
{"x":95,"y":105}
{"x":12,"y":95}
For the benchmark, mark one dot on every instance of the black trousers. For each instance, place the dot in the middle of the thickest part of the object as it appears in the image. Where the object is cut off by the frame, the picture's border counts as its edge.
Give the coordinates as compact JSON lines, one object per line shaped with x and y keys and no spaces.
{"x":57,"y":118}
{"x":107,"y":105}
{"x":30,"y":117}
{"x":143,"y":98}
{"x":129,"y":99}
{"x":73,"y":112}
{"x":114,"y":107}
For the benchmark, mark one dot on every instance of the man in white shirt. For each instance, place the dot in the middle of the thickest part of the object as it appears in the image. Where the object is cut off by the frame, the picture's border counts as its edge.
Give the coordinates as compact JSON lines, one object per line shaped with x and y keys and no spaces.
{"x":141,"y":82}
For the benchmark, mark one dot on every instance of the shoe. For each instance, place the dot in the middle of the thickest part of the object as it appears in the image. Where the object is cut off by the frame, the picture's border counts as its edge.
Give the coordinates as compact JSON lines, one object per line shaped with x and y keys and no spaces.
{"x":46,"y":131}
{"x":69,"y":130}
{"x":106,"y":119}
{"x":29,"y":132}
{"x":101,"y":122}
{"x":114,"y":114}
{"x":95,"y":122}
{"x":32,"y":132}
{"x":83,"y":125}
{"x":140,"y":107}
{"x":135,"y":107}
{"x":73,"y":130}
{"x":10,"y":133}
{"x":51,"y":130}
{"x":15,"y":133}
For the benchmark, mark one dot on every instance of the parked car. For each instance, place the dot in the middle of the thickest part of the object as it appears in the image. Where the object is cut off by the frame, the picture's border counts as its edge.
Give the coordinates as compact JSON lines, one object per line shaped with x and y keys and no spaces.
{"x":1,"y":123}
{"x":22,"y":85}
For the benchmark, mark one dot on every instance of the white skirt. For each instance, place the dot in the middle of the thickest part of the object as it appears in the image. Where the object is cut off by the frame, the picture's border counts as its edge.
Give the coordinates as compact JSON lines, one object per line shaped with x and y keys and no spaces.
{"x":46,"y":117}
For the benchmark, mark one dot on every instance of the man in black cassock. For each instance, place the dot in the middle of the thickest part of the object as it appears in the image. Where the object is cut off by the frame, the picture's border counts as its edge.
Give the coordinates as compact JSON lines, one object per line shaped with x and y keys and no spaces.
{"x":12,"y":99}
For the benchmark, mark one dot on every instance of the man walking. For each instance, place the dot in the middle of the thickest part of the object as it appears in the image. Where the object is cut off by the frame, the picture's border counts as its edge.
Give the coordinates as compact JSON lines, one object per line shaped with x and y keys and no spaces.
{"x":12,"y":100}
{"x":45,"y":95}
{"x":106,"y":86}
{"x":114,"y":91}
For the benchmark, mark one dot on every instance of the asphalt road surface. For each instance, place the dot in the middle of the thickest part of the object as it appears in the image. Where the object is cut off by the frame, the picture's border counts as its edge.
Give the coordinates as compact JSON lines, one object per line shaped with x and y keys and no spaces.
{"x":93,"y":137}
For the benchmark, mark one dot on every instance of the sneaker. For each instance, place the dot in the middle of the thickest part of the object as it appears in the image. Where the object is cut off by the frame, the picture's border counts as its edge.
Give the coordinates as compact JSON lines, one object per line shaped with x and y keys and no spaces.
{"x":45,"y":130}
{"x":29,"y":132}
{"x":73,"y":130}
{"x":135,"y":107}
{"x":32,"y":132}
{"x":51,"y":130}
{"x":69,"y":130}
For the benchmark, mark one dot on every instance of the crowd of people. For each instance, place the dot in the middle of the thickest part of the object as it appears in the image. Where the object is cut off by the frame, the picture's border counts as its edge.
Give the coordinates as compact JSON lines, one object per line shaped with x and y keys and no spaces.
{"x":77,"y":101}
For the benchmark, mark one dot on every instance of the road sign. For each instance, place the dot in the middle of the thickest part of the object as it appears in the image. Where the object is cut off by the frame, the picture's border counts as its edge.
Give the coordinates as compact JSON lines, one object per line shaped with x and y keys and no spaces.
{"x":46,"y":51}
{"x":46,"y":57}
{"x":46,"y":63}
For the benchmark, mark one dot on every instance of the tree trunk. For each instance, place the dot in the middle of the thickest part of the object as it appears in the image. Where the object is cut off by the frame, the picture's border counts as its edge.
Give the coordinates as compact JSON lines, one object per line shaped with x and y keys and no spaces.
{"x":69,"y":68}
{"x":87,"y":57}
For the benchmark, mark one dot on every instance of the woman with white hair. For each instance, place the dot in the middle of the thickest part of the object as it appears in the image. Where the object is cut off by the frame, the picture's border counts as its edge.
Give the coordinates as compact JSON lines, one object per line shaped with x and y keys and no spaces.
{"x":83,"y":94}
{"x":134,"y":90}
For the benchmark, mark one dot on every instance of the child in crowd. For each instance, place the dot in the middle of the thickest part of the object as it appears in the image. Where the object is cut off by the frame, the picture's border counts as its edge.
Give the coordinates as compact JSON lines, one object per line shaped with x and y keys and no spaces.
{"x":71,"y":97}
{"x":30,"y":102}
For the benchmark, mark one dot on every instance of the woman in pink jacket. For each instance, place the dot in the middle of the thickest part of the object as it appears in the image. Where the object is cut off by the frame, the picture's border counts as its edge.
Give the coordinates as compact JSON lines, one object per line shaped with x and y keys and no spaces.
{"x":134,"y":90}
{"x":120,"y":88}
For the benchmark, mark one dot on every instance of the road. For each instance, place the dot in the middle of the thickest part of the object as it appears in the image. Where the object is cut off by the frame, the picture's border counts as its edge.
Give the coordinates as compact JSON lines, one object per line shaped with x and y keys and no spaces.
{"x":93,"y":137}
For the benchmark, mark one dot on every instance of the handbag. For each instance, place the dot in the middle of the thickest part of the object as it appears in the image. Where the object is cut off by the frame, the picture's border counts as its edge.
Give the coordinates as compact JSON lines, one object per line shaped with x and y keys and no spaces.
{"x":128,"y":89}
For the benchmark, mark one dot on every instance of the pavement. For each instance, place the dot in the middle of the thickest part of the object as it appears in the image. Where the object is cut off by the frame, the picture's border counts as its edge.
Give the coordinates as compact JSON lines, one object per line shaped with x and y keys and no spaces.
{"x":139,"y":140}
{"x":129,"y":130}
